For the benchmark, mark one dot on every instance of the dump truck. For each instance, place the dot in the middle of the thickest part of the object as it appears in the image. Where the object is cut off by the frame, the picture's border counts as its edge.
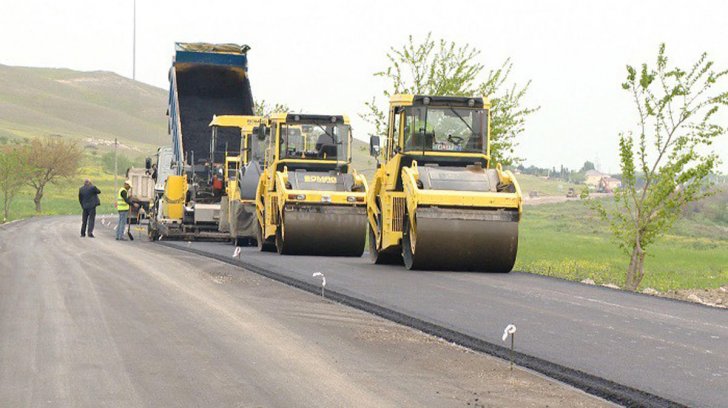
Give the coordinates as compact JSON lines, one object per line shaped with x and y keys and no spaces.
{"x":205,"y":80}
{"x":241,"y":175}
{"x":309,"y":200}
{"x":141,"y":192}
{"x":437,"y":201}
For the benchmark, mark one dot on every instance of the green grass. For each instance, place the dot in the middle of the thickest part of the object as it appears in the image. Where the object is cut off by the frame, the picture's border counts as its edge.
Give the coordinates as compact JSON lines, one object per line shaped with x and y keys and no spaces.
{"x":62,"y":198}
{"x":567,"y":241}
{"x":544,"y":186}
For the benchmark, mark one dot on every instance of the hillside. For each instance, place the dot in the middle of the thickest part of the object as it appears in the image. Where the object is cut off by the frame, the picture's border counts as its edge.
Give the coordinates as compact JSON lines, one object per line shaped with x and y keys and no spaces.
{"x":100,"y":105}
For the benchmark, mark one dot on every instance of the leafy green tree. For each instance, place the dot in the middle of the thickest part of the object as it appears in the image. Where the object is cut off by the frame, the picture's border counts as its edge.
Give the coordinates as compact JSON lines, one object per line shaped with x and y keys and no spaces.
{"x":677,"y":123}
{"x":13,"y":170}
{"x":439,"y":67}
{"x":51,"y":159}
{"x":262,"y":108}
{"x":124,"y":162}
{"x":587,"y":166}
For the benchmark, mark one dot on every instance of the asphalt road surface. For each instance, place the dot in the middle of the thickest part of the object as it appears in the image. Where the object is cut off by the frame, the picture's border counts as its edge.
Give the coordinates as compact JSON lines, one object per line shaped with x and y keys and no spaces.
{"x":96,"y":322}
{"x":672,"y":349}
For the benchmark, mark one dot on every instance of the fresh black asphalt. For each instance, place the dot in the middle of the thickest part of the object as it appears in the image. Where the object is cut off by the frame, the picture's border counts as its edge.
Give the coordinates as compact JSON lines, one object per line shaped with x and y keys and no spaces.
{"x":672,"y":349}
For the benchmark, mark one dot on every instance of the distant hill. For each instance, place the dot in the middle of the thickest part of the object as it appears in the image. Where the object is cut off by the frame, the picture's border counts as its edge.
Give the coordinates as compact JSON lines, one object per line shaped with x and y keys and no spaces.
{"x":100,"y":105}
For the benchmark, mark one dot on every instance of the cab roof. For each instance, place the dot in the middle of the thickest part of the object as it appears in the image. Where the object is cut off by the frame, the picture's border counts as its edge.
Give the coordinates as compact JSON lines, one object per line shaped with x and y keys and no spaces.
{"x":455,"y":101}
{"x":307,"y":117}
{"x":240,"y":121}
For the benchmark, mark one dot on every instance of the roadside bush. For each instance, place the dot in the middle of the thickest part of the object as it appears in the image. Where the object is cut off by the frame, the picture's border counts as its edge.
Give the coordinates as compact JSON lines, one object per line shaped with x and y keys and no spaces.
{"x":123,"y":163}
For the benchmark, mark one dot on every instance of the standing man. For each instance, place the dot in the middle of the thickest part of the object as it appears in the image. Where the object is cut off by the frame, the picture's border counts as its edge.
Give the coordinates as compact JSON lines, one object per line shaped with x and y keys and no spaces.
{"x":88,"y":197}
{"x":123,"y":203}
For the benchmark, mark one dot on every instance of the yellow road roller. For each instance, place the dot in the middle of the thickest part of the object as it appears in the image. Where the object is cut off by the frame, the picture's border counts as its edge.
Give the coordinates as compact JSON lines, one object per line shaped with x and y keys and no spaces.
{"x":240,"y":175}
{"x":437,"y":201}
{"x":309,"y":200}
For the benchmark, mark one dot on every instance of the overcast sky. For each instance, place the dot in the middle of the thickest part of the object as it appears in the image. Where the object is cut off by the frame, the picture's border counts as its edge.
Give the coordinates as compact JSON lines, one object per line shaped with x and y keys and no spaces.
{"x":320,"y":56}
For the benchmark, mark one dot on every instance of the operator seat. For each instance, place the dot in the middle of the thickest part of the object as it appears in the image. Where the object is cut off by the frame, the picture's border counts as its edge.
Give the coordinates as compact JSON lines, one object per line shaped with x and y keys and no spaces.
{"x":326,"y":146}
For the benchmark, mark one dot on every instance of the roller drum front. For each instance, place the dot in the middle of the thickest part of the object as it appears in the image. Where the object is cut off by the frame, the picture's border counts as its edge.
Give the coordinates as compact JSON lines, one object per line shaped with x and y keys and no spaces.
{"x":461,"y":240}
{"x":322,"y":230}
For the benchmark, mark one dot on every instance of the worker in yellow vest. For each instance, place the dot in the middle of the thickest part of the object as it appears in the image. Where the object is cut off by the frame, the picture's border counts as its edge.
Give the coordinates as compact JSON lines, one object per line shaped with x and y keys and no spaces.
{"x":123,"y":203}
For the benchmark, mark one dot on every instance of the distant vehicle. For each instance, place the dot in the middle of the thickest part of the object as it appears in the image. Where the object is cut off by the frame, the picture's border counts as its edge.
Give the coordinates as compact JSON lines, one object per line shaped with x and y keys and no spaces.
{"x":571,"y":193}
{"x":142,"y":191}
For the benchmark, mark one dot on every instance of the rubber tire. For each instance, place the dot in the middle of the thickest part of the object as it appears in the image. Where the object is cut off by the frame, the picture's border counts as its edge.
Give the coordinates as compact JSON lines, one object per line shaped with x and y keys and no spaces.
{"x":264,"y":245}
{"x":280,"y":244}
{"x":381,"y":258}
{"x":245,"y":242}
{"x":152,"y":233}
{"x":410,"y":261}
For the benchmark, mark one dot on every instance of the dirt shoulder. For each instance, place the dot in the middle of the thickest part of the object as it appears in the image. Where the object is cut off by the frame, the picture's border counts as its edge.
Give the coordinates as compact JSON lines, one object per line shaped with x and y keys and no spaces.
{"x":709,"y":297}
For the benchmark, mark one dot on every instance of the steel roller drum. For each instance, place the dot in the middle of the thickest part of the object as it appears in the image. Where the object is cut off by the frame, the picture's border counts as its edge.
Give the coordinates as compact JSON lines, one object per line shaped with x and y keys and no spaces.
{"x":322,"y":230}
{"x":481,"y":240}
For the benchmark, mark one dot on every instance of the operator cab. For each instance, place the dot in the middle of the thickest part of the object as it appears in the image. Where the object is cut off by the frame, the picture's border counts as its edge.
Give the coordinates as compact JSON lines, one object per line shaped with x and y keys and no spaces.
{"x":437,"y":131}
{"x":304,"y":141}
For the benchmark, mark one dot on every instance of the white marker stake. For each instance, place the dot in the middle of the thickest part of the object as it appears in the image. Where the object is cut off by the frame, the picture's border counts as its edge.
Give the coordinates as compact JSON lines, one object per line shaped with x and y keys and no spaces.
{"x":323,"y":282}
{"x":510,"y":330}
{"x":236,"y":253}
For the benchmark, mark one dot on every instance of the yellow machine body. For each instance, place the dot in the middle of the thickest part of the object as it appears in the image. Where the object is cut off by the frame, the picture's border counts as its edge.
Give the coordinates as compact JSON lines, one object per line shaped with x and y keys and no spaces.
{"x":237,"y":208}
{"x":437,"y":201}
{"x":309,"y":201}
{"x":173,"y":201}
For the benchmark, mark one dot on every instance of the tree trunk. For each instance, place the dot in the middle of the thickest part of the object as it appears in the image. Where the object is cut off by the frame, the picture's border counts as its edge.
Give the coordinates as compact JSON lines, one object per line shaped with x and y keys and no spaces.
{"x":636,"y":268}
{"x":37,"y":198}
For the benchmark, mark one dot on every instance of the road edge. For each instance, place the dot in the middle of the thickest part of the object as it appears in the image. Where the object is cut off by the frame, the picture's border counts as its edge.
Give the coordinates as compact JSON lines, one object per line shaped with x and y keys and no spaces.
{"x":591,"y":384}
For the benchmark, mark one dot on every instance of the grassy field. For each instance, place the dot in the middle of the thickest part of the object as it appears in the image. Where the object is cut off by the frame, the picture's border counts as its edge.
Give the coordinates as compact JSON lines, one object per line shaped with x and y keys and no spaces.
{"x":544,"y":186}
{"x":567,"y":241}
{"x":62,"y":198}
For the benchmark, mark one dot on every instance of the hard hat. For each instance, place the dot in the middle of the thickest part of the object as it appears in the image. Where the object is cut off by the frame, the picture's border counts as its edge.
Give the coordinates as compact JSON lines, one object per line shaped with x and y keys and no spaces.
{"x":128,"y":182}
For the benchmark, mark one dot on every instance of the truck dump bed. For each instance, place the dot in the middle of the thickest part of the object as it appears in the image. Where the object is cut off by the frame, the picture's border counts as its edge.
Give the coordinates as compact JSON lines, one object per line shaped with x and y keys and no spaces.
{"x":207,"y":80}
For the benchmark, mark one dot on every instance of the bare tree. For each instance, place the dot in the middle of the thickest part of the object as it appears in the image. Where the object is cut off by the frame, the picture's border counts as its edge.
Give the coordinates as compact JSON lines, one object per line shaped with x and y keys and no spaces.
{"x":262,"y":108}
{"x":676,"y":126}
{"x":51,"y":159}
{"x":13,"y":168}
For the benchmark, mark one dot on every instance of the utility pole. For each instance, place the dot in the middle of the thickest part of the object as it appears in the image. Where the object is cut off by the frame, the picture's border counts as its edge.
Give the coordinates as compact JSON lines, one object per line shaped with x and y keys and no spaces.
{"x":133,"y":69}
{"x":116,"y":165}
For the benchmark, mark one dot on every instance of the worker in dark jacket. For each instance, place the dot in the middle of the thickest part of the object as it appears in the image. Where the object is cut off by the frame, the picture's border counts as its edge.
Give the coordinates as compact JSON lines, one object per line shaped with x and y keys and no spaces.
{"x":123,"y":203}
{"x":88,"y":197}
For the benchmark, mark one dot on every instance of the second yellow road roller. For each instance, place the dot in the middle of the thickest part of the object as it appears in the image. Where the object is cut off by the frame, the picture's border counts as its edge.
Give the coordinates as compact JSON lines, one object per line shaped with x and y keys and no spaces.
{"x":309,"y":200}
{"x":437,"y":201}
{"x":240,"y":177}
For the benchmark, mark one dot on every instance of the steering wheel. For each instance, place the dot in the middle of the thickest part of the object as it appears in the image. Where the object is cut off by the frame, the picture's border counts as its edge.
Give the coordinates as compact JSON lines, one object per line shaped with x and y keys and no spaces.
{"x":456,"y":140}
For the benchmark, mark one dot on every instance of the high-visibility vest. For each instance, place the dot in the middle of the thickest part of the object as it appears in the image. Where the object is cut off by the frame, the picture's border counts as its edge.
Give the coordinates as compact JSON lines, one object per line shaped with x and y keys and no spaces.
{"x":121,"y":205}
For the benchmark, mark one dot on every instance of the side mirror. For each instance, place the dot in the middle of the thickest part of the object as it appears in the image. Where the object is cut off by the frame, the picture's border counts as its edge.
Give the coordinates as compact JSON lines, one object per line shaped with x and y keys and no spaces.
{"x":374,"y":147}
{"x":260,"y":132}
{"x":148,"y":163}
